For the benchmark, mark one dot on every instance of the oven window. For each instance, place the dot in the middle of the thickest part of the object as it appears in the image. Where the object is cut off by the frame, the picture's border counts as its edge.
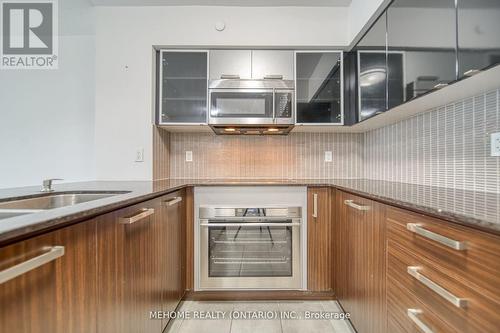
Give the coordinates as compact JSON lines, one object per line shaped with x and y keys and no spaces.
{"x":235,"y":105}
{"x":250,"y":251}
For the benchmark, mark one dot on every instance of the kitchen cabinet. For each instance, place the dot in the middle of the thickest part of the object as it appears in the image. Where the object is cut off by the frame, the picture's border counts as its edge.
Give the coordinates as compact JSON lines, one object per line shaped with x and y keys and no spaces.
{"x":251,"y":64}
{"x":127,"y":268}
{"x":272,"y":64}
{"x":182,"y":87}
{"x":319,"y":239}
{"x":428,"y":62}
{"x":172,"y":260}
{"x":441,"y":275}
{"x":359,"y":274}
{"x":230,"y":64}
{"x":478,"y":42}
{"x":319,"y":88}
{"x":59,"y":294}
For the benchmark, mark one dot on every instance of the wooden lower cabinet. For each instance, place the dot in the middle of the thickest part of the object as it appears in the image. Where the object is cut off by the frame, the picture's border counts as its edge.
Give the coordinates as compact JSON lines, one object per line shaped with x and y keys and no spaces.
{"x":140,"y":260}
{"x":58,"y":296}
{"x":359,"y":261}
{"x":171,"y":248}
{"x":319,"y":239}
{"x":114,"y":270}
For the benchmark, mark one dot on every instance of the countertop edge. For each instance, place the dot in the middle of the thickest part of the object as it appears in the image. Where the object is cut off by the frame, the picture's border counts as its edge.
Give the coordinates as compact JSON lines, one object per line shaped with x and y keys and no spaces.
{"x":35,"y":229}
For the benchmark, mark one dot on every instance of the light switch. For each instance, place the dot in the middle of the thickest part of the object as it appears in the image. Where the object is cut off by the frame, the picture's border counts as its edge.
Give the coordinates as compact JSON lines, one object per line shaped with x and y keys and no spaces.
{"x":328,"y":156}
{"x":495,"y":144}
{"x":189,"y":156}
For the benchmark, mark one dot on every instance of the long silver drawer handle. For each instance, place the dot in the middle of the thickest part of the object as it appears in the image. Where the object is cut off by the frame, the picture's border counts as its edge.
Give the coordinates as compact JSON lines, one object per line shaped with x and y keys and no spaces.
{"x":53,"y":253}
{"x":249,"y":224}
{"x":456,"y":301}
{"x":145,"y":212}
{"x":413,"y":314}
{"x":173,"y":201}
{"x":419,"y":230}
{"x":315,"y":205}
{"x":352,"y":204}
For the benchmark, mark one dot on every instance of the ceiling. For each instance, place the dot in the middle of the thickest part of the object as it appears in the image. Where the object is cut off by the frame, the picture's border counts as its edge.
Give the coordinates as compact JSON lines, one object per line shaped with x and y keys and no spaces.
{"x":241,"y":3}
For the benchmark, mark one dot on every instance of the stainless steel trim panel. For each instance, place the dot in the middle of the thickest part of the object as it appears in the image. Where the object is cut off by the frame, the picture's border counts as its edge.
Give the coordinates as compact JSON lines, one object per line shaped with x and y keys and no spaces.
{"x":251,"y":84}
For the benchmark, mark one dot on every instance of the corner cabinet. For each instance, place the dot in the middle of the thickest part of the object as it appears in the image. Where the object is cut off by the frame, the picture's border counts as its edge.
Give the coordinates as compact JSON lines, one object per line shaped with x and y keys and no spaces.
{"x":182,"y":87}
{"x":319,"y":87}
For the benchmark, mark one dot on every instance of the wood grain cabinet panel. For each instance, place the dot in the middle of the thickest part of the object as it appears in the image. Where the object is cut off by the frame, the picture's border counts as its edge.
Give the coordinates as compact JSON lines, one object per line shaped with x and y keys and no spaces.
{"x":470,"y":273}
{"x":128,"y":286}
{"x":360,"y":261}
{"x":171,"y":253}
{"x":58,"y":296}
{"x":319,"y":239}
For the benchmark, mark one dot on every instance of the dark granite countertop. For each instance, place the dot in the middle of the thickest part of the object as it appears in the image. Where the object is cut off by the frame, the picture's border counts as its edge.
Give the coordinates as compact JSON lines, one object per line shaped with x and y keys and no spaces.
{"x":480,"y":210}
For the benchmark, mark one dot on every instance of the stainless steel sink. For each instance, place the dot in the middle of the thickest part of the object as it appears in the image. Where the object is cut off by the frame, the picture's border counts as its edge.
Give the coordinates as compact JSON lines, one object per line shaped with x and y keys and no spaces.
{"x":41,"y":202}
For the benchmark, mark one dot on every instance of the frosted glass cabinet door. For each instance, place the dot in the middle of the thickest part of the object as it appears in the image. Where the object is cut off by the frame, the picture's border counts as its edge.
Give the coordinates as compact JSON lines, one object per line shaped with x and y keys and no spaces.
{"x":183,"y":87}
{"x":318,"y":87}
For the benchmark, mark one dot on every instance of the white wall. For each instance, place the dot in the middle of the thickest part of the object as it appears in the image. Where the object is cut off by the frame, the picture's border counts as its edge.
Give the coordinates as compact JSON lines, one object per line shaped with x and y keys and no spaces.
{"x":47,"y":116}
{"x":126,"y":35}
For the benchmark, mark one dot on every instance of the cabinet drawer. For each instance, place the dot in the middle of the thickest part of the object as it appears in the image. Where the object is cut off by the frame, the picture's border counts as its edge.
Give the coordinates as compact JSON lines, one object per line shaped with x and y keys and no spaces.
{"x":400,"y":305}
{"x":477,"y":265}
{"x":458,"y":304}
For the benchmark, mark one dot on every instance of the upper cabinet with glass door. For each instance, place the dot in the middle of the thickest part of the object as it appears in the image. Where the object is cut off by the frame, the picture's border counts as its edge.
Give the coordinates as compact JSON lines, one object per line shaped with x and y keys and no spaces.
{"x":319,"y":97}
{"x":372,"y":71}
{"x":424,"y":34}
{"x":478,"y":35}
{"x":183,"y":83}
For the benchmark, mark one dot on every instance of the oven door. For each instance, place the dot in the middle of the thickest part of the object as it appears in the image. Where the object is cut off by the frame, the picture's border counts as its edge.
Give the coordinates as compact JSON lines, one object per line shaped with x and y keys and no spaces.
{"x":250,"y":255}
{"x":241,"y":106}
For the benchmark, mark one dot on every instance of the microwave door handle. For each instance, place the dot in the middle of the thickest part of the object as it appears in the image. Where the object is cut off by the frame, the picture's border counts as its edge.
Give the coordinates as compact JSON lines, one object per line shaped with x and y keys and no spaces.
{"x":274,"y":106}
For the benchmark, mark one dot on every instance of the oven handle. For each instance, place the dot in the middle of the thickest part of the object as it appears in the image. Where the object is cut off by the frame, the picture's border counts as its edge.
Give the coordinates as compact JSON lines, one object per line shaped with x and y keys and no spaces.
{"x":249,"y":224}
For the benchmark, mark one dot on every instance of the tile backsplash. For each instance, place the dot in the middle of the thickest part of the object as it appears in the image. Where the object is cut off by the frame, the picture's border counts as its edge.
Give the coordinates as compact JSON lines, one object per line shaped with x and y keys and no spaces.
{"x":297,"y":156}
{"x":448,"y":147}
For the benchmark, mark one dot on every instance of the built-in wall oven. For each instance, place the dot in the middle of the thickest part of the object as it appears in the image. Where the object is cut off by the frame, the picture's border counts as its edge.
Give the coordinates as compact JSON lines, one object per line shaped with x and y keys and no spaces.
{"x":250,"y":248}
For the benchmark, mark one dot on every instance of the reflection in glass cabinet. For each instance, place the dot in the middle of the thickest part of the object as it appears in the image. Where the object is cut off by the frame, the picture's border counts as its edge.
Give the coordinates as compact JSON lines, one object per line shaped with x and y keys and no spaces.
{"x":319,"y":86}
{"x":372,"y":71}
{"x":478,"y":35}
{"x":426,"y":35}
{"x":183,"y":87}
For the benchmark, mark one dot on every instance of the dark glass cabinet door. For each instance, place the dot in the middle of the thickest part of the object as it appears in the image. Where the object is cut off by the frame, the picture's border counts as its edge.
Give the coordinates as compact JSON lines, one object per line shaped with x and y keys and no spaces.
{"x":318,"y":80}
{"x":183,"y":87}
{"x":478,"y":35}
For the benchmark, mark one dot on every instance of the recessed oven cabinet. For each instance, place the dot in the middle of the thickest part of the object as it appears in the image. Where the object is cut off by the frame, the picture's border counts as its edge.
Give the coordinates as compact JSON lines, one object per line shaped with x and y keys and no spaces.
{"x":250,"y":248}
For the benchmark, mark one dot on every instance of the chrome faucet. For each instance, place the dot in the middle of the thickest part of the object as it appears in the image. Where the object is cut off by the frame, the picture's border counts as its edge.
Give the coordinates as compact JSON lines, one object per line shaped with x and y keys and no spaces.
{"x":47,"y":185}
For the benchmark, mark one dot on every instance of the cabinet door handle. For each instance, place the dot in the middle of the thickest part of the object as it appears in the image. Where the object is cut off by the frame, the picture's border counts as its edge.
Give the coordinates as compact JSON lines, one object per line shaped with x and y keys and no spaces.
{"x":456,"y":301}
{"x":273,"y":77}
{"x":52,"y":253}
{"x":145,"y":212}
{"x":173,"y":201}
{"x":315,"y":205}
{"x":413,"y":314}
{"x":419,"y":230}
{"x":352,"y":204}
{"x":230,"y":77}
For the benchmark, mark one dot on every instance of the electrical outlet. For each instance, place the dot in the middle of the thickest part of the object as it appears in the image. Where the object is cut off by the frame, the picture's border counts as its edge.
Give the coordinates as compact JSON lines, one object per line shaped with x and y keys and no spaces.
{"x":189,"y":156}
{"x":328,"y":156}
{"x":139,"y":155}
{"x":495,"y":144}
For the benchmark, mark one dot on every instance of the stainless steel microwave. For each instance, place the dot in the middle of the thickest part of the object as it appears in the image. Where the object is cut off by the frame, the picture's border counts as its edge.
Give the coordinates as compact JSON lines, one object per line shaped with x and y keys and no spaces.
{"x":251,"y":102}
